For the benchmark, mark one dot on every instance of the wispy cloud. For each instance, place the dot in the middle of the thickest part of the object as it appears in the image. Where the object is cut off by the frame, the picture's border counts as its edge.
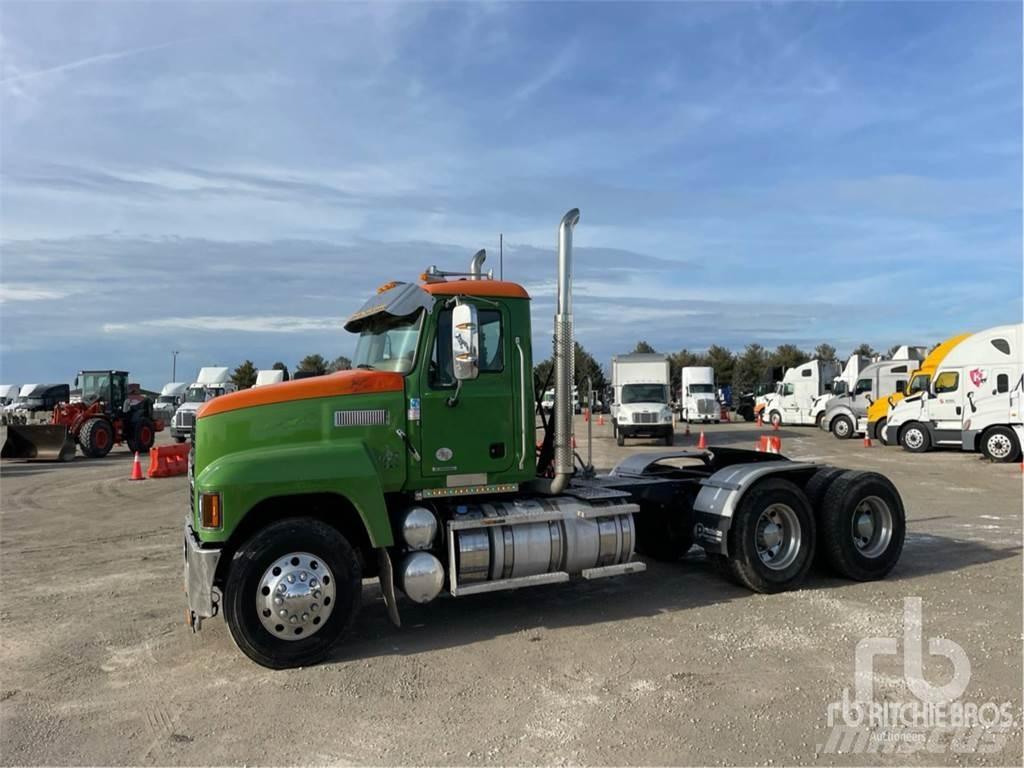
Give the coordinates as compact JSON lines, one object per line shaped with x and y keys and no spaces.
{"x":21,"y":76}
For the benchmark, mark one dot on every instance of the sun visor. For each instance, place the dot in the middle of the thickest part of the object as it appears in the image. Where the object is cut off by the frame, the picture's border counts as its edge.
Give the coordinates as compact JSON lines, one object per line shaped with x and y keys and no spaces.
{"x":397,"y":300}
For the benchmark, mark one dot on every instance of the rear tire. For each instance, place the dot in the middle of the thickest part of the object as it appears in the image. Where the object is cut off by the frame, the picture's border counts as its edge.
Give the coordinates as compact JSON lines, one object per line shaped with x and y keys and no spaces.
{"x":862,"y":526}
{"x":915,"y":438}
{"x":1000,"y":444}
{"x":662,"y":532}
{"x":842,"y":427}
{"x":772,"y":538}
{"x":96,"y":438}
{"x":251,"y":566}
{"x":143,"y":436}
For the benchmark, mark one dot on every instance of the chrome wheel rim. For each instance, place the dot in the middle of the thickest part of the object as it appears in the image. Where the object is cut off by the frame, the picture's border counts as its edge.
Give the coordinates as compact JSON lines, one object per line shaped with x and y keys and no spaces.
{"x":777,"y":536}
{"x":999,"y":446}
{"x":842,"y":428}
{"x":871,"y":526}
{"x":295,"y":596}
{"x":914,"y":438}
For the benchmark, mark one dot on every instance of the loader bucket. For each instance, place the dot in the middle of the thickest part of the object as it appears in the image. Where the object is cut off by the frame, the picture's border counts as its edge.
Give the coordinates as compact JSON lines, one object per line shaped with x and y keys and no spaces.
{"x":41,"y":442}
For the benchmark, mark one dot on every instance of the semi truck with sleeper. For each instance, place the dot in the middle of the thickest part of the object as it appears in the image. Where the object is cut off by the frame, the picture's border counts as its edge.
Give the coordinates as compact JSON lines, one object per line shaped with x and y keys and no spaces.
{"x":640,"y":384}
{"x":972,"y":402}
{"x":211,"y":382}
{"x":800,"y":396}
{"x":846,"y":414}
{"x":424,"y":467}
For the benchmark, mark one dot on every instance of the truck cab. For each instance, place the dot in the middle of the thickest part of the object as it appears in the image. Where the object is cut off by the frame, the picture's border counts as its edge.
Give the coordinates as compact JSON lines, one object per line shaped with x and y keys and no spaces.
{"x":212,"y":382}
{"x":697,"y":400}
{"x":846,"y":414}
{"x":640,"y":382}
{"x":798,"y":398}
{"x":972,"y":401}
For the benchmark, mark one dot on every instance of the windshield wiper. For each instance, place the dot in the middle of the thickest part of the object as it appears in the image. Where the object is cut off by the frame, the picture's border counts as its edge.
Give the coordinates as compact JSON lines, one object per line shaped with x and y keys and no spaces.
{"x":365,"y":367}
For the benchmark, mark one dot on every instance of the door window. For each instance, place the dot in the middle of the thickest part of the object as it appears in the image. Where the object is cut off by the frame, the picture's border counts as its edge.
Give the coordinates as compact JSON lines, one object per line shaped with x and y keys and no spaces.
{"x":492,"y":347}
{"x":863,"y":385}
{"x":788,"y":389}
{"x":947,"y":381}
{"x":1002,"y":383}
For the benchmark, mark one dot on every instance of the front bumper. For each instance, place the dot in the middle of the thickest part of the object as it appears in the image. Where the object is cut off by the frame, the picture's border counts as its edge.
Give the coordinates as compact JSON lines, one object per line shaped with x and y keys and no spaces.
{"x":645,"y":430}
{"x":202,"y":597}
{"x":892,"y":434}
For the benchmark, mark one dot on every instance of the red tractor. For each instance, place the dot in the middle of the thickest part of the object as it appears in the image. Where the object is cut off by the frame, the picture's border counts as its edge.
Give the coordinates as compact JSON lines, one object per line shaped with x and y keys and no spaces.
{"x":108,"y":414}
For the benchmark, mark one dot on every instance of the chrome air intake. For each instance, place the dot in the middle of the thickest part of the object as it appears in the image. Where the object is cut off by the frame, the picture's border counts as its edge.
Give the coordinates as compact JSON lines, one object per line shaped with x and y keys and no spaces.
{"x":564,"y":355}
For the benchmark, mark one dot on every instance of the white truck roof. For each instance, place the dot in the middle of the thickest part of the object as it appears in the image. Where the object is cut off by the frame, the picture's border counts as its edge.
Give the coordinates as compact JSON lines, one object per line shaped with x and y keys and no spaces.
{"x":28,"y":389}
{"x":272,"y":376}
{"x":910,"y":352}
{"x":640,"y":368}
{"x":8,"y":391}
{"x":213,"y":375}
{"x":827,"y":369}
{"x":173,"y":389}
{"x":698,"y":374}
{"x":1000,"y":344}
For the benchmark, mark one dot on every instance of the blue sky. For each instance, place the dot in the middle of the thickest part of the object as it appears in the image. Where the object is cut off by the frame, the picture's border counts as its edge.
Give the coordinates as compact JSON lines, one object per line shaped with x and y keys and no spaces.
{"x":231,"y":179}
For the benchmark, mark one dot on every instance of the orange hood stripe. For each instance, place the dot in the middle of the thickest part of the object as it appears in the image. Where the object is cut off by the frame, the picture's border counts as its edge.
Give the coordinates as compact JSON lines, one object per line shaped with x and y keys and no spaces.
{"x":331,"y":385}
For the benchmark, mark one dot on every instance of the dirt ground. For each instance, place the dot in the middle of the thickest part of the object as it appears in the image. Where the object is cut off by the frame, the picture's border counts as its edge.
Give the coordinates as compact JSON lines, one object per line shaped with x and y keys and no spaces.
{"x":671,"y":666}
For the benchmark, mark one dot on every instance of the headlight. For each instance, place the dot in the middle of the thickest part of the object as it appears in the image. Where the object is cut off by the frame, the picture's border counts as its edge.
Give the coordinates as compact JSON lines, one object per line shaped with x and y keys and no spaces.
{"x":624,"y":417}
{"x":666,"y":414}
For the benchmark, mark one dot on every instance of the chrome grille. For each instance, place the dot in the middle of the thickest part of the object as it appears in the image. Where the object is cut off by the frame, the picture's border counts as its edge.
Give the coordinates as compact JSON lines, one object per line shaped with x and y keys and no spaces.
{"x":645,"y":417}
{"x":365,"y":418}
{"x":185,"y":419}
{"x":705,"y":406}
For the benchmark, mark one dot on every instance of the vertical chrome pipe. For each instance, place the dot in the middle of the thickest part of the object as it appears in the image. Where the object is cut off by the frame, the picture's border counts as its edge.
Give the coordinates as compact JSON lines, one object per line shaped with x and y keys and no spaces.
{"x":564,"y":355}
{"x":476,"y":264}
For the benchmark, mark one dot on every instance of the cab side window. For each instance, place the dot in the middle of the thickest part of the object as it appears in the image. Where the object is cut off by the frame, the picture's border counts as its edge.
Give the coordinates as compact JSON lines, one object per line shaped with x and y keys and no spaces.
{"x":863,"y":385}
{"x":947,"y":381}
{"x":492,"y":348}
{"x":788,"y":389}
{"x":1002,"y":383}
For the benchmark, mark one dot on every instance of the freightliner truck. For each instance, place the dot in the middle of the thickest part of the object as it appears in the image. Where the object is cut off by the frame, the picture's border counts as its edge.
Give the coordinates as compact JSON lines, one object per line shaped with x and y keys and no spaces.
{"x":424,"y":467}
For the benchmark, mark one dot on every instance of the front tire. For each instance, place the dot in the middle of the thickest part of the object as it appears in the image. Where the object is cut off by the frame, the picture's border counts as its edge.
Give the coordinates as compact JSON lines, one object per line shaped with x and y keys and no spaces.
{"x":670,"y":437}
{"x":862,"y":526}
{"x":290,"y":568}
{"x":1000,"y":444}
{"x":915,"y":438}
{"x":772,"y":537}
{"x":842,"y":428}
{"x":880,"y":430}
{"x":775,"y":419}
{"x":96,"y":438}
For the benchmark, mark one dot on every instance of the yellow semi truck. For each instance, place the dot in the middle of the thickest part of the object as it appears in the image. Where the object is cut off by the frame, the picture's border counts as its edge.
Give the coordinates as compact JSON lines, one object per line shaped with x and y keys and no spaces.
{"x":878,"y":411}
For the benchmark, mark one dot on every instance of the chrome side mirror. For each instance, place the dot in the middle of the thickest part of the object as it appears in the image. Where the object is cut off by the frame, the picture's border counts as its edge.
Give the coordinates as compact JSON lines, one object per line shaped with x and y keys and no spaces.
{"x":465,"y":342}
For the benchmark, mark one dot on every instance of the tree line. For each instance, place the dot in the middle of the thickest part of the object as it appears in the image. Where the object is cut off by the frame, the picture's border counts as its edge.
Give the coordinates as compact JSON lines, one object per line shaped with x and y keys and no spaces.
{"x":244,"y":376}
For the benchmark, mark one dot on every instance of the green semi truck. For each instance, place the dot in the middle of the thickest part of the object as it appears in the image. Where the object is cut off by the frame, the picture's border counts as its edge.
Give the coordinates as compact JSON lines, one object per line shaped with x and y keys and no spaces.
{"x":424,"y":466}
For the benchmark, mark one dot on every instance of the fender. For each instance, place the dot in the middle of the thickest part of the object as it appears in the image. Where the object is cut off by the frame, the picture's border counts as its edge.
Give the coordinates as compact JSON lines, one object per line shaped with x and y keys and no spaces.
{"x":838,"y":410}
{"x":245,"y":478}
{"x":721,"y":494}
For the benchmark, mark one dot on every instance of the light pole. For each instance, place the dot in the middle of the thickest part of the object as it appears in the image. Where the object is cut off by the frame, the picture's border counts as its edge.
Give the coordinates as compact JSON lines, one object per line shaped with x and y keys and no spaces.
{"x":174,"y":365}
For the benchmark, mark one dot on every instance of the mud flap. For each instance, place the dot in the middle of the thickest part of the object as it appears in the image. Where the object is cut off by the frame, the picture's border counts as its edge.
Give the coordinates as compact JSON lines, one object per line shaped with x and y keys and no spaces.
{"x":39,"y":442}
{"x":387,"y":586}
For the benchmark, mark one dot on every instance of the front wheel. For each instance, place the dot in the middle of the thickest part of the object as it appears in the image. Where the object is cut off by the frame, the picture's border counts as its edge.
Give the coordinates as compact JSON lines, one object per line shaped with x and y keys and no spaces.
{"x":772,"y":537}
{"x":915,"y":438}
{"x":842,"y":428}
{"x":293,"y":589}
{"x":1000,"y":444}
{"x":775,"y":418}
{"x":96,"y":438}
{"x":880,"y":430}
{"x":142,"y":436}
{"x":670,"y":437}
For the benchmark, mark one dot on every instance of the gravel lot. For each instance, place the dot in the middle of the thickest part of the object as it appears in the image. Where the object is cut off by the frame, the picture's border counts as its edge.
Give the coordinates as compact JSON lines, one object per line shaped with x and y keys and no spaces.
{"x":672,"y":666}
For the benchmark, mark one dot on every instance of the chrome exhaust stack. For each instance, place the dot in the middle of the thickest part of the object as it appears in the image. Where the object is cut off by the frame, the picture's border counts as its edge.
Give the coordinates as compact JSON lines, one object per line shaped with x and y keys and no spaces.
{"x":476,"y":264}
{"x":564,"y":355}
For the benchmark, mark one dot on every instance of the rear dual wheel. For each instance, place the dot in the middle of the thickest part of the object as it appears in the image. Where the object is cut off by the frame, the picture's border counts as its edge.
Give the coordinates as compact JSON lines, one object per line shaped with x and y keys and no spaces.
{"x":861,"y":525}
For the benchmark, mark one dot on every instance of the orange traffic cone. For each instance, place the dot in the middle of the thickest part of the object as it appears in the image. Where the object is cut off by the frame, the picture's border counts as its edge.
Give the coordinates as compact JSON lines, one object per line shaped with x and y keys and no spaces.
{"x":702,"y":442}
{"x":136,"y":469}
{"x":600,"y":419}
{"x":775,"y":426}
{"x":867,"y":440}
{"x":760,"y":421}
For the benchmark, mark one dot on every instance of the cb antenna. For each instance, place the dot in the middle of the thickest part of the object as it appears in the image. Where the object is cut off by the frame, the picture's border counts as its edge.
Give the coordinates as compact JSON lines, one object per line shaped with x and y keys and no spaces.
{"x":501,"y":256}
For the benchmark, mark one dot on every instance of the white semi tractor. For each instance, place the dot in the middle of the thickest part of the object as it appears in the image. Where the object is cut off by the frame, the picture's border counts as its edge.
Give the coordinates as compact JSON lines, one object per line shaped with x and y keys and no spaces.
{"x":846,"y":414}
{"x":171,"y":396}
{"x":271,"y":376}
{"x":641,"y":398}
{"x":697,"y":401}
{"x":798,"y":398}
{"x":210,"y":383}
{"x":973,"y":401}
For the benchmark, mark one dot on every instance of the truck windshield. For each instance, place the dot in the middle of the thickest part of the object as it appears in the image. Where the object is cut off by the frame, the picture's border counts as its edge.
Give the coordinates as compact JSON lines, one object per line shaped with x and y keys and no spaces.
{"x":196,"y":395}
{"x":166,"y":399}
{"x":701,"y":389}
{"x":919,"y":383}
{"x":644,"y":393}
{"x":388,"y":343}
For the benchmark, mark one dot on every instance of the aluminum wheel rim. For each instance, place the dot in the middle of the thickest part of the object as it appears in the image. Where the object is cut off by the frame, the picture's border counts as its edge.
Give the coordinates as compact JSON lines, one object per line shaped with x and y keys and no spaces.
{"x":914,"y":438}
{"x":999,"y":446}
{"x":871,"y":526}
{"x":842,"y":428}
{"x":295,"y":596}
{"x":777,"y":536}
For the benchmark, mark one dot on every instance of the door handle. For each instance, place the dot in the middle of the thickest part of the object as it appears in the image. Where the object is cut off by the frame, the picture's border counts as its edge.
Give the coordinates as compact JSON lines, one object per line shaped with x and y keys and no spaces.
{"x":408,"y":443}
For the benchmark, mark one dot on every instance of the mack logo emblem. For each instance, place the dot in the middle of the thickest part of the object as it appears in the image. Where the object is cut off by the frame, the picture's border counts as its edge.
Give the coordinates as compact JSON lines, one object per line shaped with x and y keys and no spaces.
{"x":443,"y":454}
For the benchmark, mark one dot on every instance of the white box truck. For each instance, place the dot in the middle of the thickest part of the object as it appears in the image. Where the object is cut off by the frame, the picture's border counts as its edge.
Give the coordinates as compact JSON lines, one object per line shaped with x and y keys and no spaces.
{"x":973,"y":401}
{"x":697,"y":401}
{"x":640,"y":382}
{"x":798,"y":399}
{"x":210,"y":383}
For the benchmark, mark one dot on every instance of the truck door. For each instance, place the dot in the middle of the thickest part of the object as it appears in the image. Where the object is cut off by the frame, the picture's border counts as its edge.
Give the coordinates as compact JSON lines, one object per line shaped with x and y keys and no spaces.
{"x":476,"y":434}
{"x":946,"y":407}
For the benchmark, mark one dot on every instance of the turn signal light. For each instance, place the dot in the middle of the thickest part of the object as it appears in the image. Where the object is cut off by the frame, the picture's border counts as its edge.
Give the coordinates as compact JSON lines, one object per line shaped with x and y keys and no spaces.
{"x":210,"y":510}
